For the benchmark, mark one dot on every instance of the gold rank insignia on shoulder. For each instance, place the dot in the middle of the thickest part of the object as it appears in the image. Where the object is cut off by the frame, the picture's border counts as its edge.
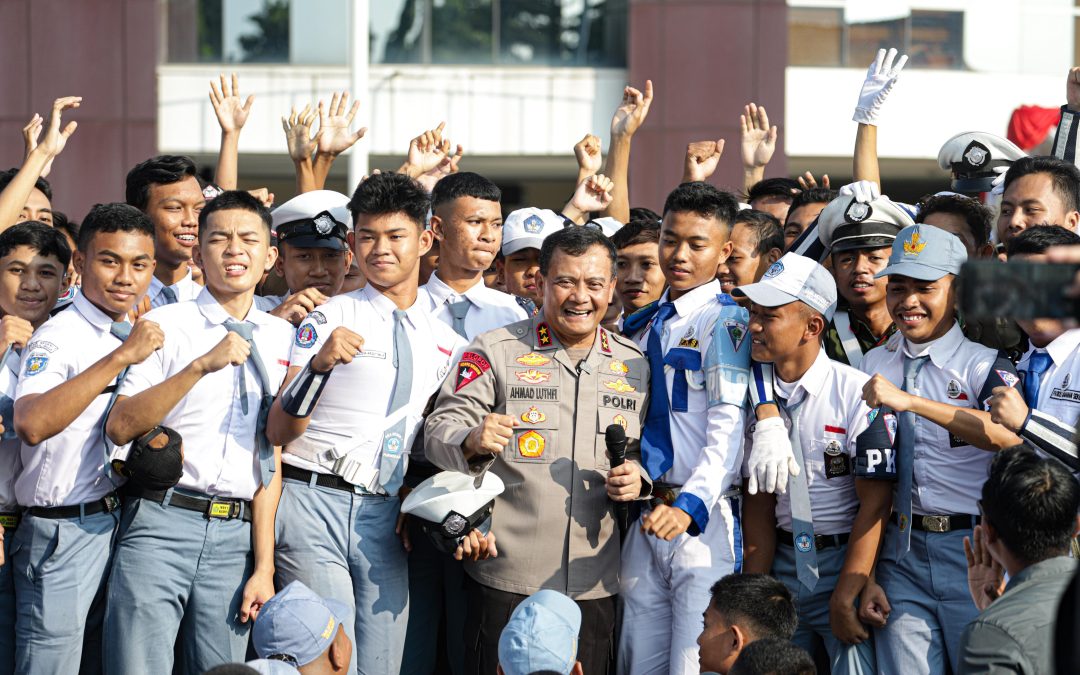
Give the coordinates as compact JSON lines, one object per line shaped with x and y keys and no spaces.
{"x":605,"y":345}
{"x":533,"y":359}
{"x":618,"y":367}
{"x":533,"y":416}
{"x":543,"y":335}
{"x":620,"y":385}
{"x":532,"y":376}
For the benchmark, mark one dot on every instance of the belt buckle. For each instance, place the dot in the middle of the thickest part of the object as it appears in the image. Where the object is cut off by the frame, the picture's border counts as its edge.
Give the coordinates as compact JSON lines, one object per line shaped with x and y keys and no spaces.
{"x":936,"y":523}
{"x":111,"y":502}
{"x":822,"y":541}
{"x":9,"y":521}
{"x":224,"y":510}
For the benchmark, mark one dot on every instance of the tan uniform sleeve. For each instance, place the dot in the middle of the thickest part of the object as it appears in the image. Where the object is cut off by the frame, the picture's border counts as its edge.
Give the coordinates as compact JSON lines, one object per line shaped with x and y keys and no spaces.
{"x":467,"y":395}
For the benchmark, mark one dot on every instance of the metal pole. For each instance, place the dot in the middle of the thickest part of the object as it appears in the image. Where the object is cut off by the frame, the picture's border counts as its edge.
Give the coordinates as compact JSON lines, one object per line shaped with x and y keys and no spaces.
{"x":358,"y":86}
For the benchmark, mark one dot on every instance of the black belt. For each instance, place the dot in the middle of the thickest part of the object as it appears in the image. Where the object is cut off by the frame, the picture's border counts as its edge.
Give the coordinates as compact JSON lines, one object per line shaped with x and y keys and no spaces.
{"x":942,"y":523}
{"x":214,"y":507}
{"x":106,"y":504}
{"x":321,"y":479}
{"x":821,"y":541}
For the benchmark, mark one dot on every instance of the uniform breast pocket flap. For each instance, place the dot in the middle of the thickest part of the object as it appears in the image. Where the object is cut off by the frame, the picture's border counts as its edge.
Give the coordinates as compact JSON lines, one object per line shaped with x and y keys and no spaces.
{"x":535,"y":436}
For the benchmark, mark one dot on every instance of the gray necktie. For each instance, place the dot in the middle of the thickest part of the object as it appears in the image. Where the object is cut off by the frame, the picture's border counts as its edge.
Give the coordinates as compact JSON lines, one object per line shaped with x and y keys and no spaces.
{"x":905,"y":459}
{"x":120,"y":330}
{"x":169,"y":294}
{"x":458,"y":310}
{"x":802,"y":519}
{"x":266,"y":452}
{"x":391,"y":466}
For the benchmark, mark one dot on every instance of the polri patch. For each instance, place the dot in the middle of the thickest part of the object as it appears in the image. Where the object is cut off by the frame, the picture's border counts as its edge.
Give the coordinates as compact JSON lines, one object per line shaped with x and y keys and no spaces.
{"x":470,"y":368}
{"x":620,"y":385}
{"x":533,"y":415}
{"x":605,"y":344}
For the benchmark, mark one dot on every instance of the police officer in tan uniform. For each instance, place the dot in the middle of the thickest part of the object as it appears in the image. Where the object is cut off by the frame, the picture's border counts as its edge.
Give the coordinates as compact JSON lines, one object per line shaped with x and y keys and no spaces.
{"x":531,"y":402}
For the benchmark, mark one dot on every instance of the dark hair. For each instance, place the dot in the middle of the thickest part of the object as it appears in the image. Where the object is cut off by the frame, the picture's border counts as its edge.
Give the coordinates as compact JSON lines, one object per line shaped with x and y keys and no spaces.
{"x":114,"y":217}
{"x":814,"y":196}
{"x":642,"y":213}
{"x":1064,"y":176}
{"x":41,"y":184}
{"x":387,"y":193}
{"x":779,"y":187}
{"x":1035,"y":240}
{"x":160,"y":170}
{"x":773,"y":656}
{"x":758,"y":602}
{"x":978,"y":217}
{"x":65,"y":225}
{"x":464,"y":184}
{"x":38,"y":236}
{"x":636,"y":232}
{"x":704,"y":200}
{"x":1031,"y":502}
{"x":768,"y":234}
{"x":575,"y":241}
{"x":234,"y":200}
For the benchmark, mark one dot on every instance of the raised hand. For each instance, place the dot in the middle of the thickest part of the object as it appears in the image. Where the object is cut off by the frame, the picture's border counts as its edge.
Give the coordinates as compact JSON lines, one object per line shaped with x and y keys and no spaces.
{"x":297,"y":127}
{"x":56,"y":138}
{"x":334,"y":136}
{"x":758,"y":139}
{"x":14,"y":331}
{"x":296,"y":307}
{"x":633,"y":110}
{"x":986,"y":577}
{"x":880,"y":79}
{"x":428,"y":151}
{"x":31,"y":132}
{"x":807,"y":181}
{"x":593,"y":194}
{"x":701,"y":159}
{"x":589,"y":158}
{"x":231,"y":113}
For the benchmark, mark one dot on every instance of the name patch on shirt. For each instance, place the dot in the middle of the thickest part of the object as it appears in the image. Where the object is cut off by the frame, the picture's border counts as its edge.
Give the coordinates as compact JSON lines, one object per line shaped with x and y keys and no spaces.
{"x":470,"y":368}
{"x":47,"y":346}
{"x":317,"y":316}
{"x":370,"y":354}
{"x":1063,"y":393}
{"x":534,"y":394}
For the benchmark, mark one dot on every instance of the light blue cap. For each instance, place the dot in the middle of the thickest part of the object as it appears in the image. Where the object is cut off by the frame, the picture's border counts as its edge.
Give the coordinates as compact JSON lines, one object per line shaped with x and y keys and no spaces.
{"x":794,"y":278}
{"x":542,"y":634}
{"x":297,"y":623}
{"x":926,"y":253}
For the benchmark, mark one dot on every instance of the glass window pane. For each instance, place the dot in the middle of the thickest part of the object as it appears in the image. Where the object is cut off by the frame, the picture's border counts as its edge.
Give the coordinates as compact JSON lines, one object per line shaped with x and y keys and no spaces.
{"x":865,"y":39}
{"x":563,"y":32}
{"x":193,"y":31}
{"x":937,"y":40}
{"x":255,"y":31}
{"x":397,"y":31}
{"x":814,"y":36}
{"x":461,"y":31}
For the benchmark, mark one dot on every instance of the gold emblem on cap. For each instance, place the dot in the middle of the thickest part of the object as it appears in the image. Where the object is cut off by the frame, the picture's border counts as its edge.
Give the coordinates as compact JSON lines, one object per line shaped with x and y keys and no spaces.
{"x":914,"y":245}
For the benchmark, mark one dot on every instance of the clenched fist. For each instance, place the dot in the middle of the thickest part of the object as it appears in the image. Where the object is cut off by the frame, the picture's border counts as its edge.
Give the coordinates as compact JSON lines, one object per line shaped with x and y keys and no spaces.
{"x":14,"y":331}
{"x":145,"y":338}
{"x":342,"y":347}
{"x":492,"y":436}
{"x":233,"y":350}
{"x":296,"y":307}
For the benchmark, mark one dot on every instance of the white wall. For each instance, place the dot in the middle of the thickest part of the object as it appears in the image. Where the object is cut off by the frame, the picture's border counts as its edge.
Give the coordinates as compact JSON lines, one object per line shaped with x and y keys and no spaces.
{"x":489,"y":110}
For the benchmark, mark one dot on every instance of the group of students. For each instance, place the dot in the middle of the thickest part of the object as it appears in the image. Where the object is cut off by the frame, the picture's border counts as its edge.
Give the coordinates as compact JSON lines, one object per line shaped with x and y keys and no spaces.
{"x":205,"y":401}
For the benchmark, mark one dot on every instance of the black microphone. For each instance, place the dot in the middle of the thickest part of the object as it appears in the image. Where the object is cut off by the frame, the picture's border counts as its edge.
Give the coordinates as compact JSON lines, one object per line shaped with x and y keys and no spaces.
{"x":615,"y":440}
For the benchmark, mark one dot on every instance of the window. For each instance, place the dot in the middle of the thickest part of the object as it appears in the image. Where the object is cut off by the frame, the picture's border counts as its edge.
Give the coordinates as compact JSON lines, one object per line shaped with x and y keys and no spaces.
{"x":820,"y":37}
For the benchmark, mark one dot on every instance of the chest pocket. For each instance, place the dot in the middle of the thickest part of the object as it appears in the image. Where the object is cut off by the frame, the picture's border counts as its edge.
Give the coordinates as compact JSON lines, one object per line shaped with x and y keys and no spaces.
{"x":535,"y":437}
{"x":682,"y":360}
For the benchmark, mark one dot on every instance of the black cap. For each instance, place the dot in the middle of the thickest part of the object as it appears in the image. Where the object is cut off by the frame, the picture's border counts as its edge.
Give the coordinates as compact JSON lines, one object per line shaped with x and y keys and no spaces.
{"x":865,"y":235}
{"x":321,"y":231}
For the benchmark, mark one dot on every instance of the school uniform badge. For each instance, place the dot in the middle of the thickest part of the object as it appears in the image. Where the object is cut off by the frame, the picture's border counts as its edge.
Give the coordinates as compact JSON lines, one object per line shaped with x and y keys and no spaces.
{"x":804,"y":543}
{"x":306,"y":335}
{"x":35,"y":364}
{"x":736,"y":331}
{"x":1008,"y":378}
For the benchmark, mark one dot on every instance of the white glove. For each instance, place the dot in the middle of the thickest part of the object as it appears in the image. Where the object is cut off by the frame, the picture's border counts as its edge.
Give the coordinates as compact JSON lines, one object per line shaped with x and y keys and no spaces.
{"x":999,"y":180}
{"x":880,"y":80}
{"x":864,"y":191}
{"x":771,"y":458}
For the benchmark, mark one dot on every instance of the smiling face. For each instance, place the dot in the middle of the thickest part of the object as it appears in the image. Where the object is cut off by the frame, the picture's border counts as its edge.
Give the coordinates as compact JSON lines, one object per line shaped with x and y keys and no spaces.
{"x":388,"y":247}
{"x":30,"y":283}
{"x":854,"y":272}
{"x":1031,"y":200}
{"x":640,"y":279}
{"x":116,"y":270}
{"x":922,"y":310}
{"x":577,"y":291}
{"x":234,"y":251}
{"x":692,"y":247}
{"x":469,"y":231}
{"x":174,"y":209}
{"x":777,"y":333}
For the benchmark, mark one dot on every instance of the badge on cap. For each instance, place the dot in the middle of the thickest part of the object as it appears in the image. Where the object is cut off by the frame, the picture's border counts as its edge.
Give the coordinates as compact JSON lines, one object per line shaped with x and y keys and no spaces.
{"x":774,"y":269}
{"x":455,"y":524}
{"x":976,"y":154}
{"x":324,"y":224}
{"x":857,"y":212}
{"x":914,"y":245}
{"x":533,"y":224}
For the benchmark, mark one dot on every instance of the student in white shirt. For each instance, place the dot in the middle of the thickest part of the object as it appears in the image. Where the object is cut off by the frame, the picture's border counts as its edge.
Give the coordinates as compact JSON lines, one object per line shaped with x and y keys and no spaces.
{"x":194,"y":562}
{"x":822,"y":536}
{"x":167,"y":190}
{"x":69,"y":372}
{"x":938,"y":382}
{"x":363,"y":368}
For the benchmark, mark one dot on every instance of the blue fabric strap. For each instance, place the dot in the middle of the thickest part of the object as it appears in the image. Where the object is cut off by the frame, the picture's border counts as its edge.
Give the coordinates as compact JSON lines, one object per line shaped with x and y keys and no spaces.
{"x":1038,"y":364}
{"x":657,"y":451}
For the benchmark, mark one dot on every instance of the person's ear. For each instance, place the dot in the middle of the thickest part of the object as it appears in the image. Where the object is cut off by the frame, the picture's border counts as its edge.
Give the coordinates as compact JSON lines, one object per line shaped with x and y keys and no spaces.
{"x":739,"y":639}
{"x":500,"y":272}
{"x":815,"y":326}
{"x":279,"y":263}
{"x":1072,"y":221}
{"x":196,"y":257}
{"x":774,"y":255}
{"x":436,"y":227}
{"x":539,"y":279}
{"x":426,"y":241}
{"x":348,"y":258}
{"x":78,"y":259}
{"x":725,"y":252}
{"x":350,"y":239}
{"x":271,"y":258}
{"x":989,"y":533}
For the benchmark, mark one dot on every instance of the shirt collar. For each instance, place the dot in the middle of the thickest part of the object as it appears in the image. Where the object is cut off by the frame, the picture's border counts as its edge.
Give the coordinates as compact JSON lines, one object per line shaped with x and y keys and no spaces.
{"x":93,"y":315}
{"x":690,"y":301}
{"x":1057,"y":567}
{"x":439,"y":291}
{"x":1063,"y":346}
{"x":813,"y":380}
{"x":385,"y":307}
{"x":943,"y":348}
{"x":210,"y":308}
{"x":156,"y":284}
